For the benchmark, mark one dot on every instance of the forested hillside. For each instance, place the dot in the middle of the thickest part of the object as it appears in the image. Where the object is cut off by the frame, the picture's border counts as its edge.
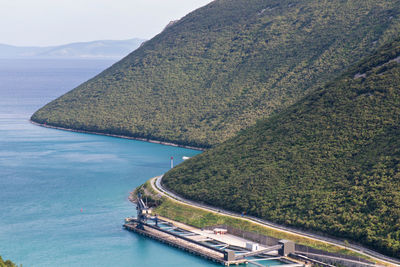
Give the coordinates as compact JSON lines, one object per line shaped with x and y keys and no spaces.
{"x":224,"y":66}
{"x":330,"y":162}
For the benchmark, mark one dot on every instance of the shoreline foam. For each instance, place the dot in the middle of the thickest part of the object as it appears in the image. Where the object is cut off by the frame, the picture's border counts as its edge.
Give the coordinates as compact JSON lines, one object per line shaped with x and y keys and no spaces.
{"x":118,"y":136}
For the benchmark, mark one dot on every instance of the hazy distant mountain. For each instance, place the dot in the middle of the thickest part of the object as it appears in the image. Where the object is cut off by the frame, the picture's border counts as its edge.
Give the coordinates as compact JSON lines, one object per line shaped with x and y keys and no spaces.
{"x":95,"y":49}
{"x":9,"y":51}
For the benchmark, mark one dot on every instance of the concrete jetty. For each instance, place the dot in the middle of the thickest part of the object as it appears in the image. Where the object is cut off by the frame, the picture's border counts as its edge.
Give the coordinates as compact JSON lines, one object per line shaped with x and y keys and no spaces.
{"x":217,"y":246}
{"x":183,"y":243}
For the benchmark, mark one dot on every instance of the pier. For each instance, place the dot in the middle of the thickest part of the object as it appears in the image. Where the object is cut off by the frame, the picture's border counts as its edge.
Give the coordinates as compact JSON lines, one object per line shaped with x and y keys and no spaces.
{"x":183,"y":243}
{"x":216,"y":245}
{"x":226,"y":250}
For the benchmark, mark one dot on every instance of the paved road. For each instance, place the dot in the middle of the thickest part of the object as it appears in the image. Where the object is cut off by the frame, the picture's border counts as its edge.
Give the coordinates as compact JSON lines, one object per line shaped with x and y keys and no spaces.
{"x":157,"y":185}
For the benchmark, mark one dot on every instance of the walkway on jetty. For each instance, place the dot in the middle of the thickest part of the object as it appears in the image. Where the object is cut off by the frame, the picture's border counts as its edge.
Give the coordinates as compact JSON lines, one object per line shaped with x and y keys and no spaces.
{"x":229,"y":250}
{"x":182,"y":242}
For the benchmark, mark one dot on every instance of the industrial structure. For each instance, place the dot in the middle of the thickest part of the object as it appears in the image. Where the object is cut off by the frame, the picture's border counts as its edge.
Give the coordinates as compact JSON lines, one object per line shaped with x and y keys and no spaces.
{"x":203,"y":245}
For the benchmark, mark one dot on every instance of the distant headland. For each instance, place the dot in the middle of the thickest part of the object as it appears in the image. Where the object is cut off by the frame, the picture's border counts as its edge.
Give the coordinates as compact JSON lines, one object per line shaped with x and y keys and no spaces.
{"x":100,"y":49}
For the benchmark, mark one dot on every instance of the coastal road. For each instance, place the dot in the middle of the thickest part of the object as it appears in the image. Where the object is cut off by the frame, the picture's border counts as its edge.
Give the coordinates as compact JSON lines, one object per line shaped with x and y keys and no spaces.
{"x":156,"y":183}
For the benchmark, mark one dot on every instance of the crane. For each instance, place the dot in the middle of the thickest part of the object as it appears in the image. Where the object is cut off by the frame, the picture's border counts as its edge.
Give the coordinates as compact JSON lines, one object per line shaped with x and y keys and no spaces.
{"x":142,"y":211}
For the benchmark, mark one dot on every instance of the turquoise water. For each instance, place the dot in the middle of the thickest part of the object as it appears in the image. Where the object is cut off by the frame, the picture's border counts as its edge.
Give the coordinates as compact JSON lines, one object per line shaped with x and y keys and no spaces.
{"x":64,"y":195}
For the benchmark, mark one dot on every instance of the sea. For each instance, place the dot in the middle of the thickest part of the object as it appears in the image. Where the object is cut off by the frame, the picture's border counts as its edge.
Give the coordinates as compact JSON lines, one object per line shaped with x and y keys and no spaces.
{"x":64,"y":195}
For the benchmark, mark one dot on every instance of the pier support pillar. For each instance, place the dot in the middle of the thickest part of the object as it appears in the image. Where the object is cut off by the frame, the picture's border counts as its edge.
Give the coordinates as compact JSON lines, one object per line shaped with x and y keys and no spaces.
{"x":287,"y":247}
{"x":229,"y":255}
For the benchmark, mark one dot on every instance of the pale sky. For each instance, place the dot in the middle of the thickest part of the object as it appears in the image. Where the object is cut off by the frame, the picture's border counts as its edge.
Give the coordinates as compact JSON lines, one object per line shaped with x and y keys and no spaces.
{"x":54,"y":22}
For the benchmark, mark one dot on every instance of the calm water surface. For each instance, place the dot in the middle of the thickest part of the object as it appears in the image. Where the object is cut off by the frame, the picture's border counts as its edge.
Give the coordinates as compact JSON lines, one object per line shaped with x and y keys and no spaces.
{"x":63,"y":195}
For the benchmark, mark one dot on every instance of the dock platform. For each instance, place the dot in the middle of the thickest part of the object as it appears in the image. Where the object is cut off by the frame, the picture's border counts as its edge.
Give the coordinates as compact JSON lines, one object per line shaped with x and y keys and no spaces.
{"x":183,"y":243}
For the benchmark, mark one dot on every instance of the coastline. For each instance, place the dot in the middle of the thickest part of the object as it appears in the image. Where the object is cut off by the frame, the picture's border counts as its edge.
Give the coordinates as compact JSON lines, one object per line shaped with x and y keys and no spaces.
{"x":118,"y":136}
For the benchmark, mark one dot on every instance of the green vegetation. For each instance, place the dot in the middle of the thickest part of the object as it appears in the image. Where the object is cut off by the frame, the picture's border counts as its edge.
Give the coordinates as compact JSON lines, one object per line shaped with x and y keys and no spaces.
{"x":221,"y":68}
{"x":6,"y":263}
{"x":329,"y":163}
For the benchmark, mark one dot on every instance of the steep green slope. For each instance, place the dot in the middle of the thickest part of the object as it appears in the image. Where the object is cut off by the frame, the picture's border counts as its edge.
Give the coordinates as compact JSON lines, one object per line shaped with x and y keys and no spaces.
{"x":330,"y":162}
{"x":224,"y":66}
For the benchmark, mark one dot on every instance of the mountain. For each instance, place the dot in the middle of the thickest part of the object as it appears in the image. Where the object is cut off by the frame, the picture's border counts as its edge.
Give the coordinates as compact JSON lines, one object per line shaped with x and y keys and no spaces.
{"x":113,"y":49}
{"x":9,"y":51}
{"x":223,"y":67}
{"x":329,"y":163}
